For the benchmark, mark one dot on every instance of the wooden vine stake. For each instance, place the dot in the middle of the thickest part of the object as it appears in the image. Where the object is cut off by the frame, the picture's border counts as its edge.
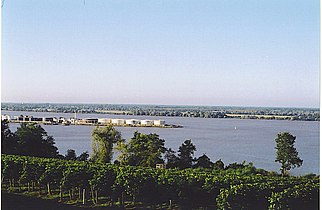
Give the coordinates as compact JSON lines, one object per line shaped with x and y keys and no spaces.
{"x":60,"y":194}
{"x":84,"y":197}
{"x":48,"y":189}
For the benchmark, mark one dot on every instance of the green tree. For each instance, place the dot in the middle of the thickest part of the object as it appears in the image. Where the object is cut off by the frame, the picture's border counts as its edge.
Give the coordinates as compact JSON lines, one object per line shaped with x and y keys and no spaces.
{"x":33,"y":140}
{"x":185,"y":153}
{"x":83,"y":157}
{"x":286,"y":153}
{"x":203,"y":162}
{"x":8,"y":139}
{"x":143,"y":150}
{"x":103,"y":140}
{"x":171,"y":158}
{"x":219,"y":165}
{"x":70,"y":155}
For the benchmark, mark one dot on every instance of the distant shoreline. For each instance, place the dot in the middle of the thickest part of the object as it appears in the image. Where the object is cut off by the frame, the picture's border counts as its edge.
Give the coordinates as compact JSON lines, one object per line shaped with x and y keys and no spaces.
{"x":140,"y":126}
{"x":63,"y":121}
{"x":262,"y":113}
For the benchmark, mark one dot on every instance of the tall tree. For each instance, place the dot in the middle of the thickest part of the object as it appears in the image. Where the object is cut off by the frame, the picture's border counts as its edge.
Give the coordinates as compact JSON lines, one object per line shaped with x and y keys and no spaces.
{"x":33,"y":140}
{"x":171,"y":158}
{"x":143,"y":150}
{"x":203,"y":162}
{"x":8,"y":139}
{"x":103,"y":140}
{"x":83,"y":157}
{"x":70,"y":155}
{"x":286,"y":153}
{"x":185,"y":153}
{"x":219,"y":165}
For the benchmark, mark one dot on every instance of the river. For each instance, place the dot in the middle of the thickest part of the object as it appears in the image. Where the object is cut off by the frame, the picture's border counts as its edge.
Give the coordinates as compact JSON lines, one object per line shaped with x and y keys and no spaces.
{"x":231,"y":140}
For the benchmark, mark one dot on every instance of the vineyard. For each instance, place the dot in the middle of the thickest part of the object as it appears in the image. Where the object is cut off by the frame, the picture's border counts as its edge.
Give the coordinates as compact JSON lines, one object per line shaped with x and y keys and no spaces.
{"x":95,"y":184}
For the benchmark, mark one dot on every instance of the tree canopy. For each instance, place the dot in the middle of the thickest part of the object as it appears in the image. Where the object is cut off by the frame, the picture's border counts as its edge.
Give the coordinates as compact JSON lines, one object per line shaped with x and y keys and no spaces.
{"x":103,"y":140}
{"x":33,"y":140}
{"x":8,"y":139}
{"x":70,"y":155}
{"x":143,"y":150}
{"x":204,"y":162}
{"x":185,"y":153}
{"x":286,"y":153}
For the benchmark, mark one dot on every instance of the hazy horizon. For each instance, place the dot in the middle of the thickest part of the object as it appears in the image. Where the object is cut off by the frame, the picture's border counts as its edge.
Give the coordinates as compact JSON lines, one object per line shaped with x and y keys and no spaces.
{"x":183,"y":105}
{"x":163,"y":52}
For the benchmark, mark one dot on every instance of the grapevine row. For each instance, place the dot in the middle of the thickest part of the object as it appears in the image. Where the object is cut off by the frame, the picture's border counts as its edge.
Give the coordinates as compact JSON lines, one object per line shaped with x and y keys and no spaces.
{"x":94,"y":183}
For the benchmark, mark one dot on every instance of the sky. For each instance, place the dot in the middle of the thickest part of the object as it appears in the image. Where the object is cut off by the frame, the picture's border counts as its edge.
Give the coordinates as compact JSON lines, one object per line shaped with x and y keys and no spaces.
{"x":178,"y":52}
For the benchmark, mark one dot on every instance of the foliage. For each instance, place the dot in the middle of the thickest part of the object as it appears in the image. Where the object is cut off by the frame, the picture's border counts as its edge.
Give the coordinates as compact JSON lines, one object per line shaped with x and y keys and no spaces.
{"x":33,"y":141}
{"x":143,"y":150}
{"x":286,"y":153}
{"x":70,"y":155}
{"x":219,"y":165}
{"x":185,"y":153}
{"x":198,"y":188}
{"x":171,"y":159}
{"x":8,"y":139}
{"x":103,"y":139}
{"x":83,"y":157}
{"x":203,"y":162}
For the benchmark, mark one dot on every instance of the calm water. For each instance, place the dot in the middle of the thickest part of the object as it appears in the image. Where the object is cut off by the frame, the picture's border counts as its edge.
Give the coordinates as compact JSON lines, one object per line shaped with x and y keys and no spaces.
{"x":252,"y":140}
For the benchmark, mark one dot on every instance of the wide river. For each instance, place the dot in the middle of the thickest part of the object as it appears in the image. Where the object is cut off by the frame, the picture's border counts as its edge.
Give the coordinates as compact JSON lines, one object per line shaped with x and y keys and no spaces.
{"x":231,"y":140}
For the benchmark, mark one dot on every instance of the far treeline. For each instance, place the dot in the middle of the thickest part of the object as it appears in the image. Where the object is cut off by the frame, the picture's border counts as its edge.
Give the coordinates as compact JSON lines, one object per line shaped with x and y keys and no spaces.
{"x":269,"y":113}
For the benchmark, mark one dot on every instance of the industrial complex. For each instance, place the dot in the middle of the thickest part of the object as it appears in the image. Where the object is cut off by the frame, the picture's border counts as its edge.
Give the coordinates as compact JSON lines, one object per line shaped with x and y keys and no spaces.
{"x":86,"y":121}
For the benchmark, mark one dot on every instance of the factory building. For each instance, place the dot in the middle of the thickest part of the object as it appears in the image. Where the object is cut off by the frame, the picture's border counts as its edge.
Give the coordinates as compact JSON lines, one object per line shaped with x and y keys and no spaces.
{"x":88,"y":121}
{"x":132,"y":122}
{"x":104,"y":121}
{"x":159,"y":122}
{"x":118,"y":121}
{"x":147,"y":122}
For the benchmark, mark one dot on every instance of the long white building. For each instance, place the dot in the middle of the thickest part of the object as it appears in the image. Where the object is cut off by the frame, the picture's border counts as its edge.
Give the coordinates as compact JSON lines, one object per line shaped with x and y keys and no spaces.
{"x":159,"y":122}
{"x":147,"y":122}
{"x":118,"y":121}
{"x":132,"y":122}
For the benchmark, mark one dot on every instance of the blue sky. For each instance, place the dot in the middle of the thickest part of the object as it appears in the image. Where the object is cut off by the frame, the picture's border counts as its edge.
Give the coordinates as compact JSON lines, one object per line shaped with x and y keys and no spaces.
{"x":218,"y":52}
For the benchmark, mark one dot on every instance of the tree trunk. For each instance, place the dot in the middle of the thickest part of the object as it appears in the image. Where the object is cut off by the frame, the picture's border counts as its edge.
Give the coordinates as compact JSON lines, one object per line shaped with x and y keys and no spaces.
{"x":48,"y":189}
{"x":79,"y":193}
{"x":84,"y":196}
{"x":133,"y":199}
{"x":28,"y":187}
{"x":39,"y":189}
{"x":92,"y":193}
{"x":96,"y":196}
{"x":70,"y":195}
{"x":60,"y":193}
